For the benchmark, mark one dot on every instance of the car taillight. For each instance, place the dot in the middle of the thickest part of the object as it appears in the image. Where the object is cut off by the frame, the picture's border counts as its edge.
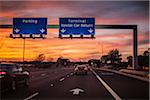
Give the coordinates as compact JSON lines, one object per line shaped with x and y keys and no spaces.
{"x":2,"y":73}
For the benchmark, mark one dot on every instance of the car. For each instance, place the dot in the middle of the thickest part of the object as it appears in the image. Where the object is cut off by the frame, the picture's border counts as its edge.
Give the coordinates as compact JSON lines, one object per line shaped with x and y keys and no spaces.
{"x":81,"y":70}
{"x":12,"y":75}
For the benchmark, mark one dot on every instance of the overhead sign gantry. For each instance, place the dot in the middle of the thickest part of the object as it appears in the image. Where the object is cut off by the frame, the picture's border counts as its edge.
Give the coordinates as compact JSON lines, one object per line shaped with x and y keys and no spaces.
{"x":132,"y":27}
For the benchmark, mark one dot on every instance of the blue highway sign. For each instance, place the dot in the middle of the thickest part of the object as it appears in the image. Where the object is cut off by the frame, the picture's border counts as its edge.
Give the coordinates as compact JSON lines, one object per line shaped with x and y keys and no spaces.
{"x":29,"y":25}
{"x":77,"y":26}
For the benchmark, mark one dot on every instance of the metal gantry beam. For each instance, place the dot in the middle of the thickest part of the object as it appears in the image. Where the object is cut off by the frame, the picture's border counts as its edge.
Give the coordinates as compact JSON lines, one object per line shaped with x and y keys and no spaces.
{"x":96,"y":26}
{"x":133,"y":27}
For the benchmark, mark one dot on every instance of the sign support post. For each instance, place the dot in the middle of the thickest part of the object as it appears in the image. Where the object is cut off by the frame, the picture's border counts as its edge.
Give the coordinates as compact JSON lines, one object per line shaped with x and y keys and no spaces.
{"x":135,"y":49}
{"x":27,"y":28}
{"x":23,"y":51}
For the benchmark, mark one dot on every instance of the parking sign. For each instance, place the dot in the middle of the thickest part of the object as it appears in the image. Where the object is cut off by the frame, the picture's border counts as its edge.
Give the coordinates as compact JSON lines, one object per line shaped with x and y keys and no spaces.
{"x":29,"y":25}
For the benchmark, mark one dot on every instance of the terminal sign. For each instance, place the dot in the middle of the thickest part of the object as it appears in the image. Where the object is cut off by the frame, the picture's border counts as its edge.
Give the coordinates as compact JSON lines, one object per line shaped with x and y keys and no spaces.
{"x":77,"y":26}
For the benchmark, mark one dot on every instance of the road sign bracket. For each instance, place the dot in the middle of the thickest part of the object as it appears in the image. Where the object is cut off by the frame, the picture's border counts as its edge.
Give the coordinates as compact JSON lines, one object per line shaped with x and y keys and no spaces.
{"x":77,"y":37}
{"x":72,"y":37}
{"x":42,"y":36}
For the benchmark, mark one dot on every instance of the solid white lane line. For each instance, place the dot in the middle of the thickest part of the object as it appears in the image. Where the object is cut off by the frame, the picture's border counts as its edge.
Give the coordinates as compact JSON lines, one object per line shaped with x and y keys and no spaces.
{"x":33,"y":95}
{"x":107,"y":87}
{"x":62,"y":79}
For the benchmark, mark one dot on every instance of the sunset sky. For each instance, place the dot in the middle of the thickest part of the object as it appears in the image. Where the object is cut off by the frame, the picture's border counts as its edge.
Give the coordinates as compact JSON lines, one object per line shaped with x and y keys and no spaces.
{"x":105,"y":13}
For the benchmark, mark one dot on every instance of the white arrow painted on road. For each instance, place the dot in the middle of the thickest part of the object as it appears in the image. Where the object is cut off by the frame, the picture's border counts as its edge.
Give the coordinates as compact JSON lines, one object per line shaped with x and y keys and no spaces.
{"x":16,"y":30}
{"x":90,"y":30}
{"x":76,"y":91}
{"x":42,"y":30}
{"x":63,"y":30}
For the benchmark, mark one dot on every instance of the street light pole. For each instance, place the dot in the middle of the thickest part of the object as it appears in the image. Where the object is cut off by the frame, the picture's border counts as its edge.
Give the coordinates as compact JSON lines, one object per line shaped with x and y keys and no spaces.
{"x":23,"y":50}
{"x":101,"y":48}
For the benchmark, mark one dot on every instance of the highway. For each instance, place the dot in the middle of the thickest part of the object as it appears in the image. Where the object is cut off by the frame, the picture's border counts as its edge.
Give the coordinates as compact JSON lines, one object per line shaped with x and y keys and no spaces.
{"x":62,"y":84}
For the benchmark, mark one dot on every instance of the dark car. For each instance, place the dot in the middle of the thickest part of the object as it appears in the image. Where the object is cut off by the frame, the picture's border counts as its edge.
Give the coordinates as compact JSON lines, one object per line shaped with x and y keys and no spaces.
{"x":81,"y":70}
{"x":12,"y":75}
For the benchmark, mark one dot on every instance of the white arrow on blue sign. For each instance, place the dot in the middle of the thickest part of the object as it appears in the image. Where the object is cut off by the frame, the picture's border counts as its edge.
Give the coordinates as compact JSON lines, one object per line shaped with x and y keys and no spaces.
{"x":16,"y":30}
{"x":62,"y":30}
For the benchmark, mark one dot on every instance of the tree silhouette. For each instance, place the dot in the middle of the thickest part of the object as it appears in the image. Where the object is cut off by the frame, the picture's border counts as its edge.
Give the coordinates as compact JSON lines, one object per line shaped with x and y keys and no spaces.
{"x":143,"y":60}
{"x":129,"y":58}
{"x":114,"y":56}
{"x":147,"y":52}
{"x":104,"y":59}
{"x":40,"y":58}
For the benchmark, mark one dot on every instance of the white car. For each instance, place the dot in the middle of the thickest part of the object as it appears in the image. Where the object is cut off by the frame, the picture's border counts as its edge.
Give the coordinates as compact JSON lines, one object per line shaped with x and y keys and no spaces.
{"x":81,"y":70}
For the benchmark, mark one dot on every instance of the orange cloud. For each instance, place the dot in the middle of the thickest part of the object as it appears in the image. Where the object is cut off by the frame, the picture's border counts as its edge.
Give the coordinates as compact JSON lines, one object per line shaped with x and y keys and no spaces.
{"x":75,"y":49}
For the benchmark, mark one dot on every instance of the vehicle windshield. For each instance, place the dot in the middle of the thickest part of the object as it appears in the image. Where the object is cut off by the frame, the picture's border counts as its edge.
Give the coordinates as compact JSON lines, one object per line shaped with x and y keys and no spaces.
{"x":6,"y":66}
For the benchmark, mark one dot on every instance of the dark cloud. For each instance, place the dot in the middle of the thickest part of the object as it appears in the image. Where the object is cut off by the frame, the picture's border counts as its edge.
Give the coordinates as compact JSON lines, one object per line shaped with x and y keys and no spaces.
{"x":12,"y":6}
{"x":102,"y":9}
{"x":110,"y":9}
{"x":144,"y":38}
{"x":136,"y":12}
{"x":144,"y":42}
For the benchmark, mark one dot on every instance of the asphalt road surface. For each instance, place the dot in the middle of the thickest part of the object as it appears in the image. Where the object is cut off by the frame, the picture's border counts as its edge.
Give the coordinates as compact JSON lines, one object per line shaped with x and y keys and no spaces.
{"x":62,"y":84}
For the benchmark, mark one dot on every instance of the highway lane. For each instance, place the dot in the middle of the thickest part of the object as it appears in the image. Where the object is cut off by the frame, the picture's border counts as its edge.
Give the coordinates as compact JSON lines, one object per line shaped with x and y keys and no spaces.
{"x":56,"y":85}
{"x":37,"y":81}
{"x":126,"y":87}
{"x":59,"y":88}
{"x":93,"y":89}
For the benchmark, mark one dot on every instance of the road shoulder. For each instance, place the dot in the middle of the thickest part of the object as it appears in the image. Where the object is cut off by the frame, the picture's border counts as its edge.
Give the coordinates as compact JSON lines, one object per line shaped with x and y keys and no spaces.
{"x":125,"y":74}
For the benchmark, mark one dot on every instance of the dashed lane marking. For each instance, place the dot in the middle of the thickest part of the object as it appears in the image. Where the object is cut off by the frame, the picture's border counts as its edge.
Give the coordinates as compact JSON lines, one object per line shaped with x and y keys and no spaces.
{"x":62,"y":79}
{"x":71,"y":73}
{"x":43,"y":74}
{"x":33,"y":95}
{"x":67,"y":75}
{"x":52,"y":84}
